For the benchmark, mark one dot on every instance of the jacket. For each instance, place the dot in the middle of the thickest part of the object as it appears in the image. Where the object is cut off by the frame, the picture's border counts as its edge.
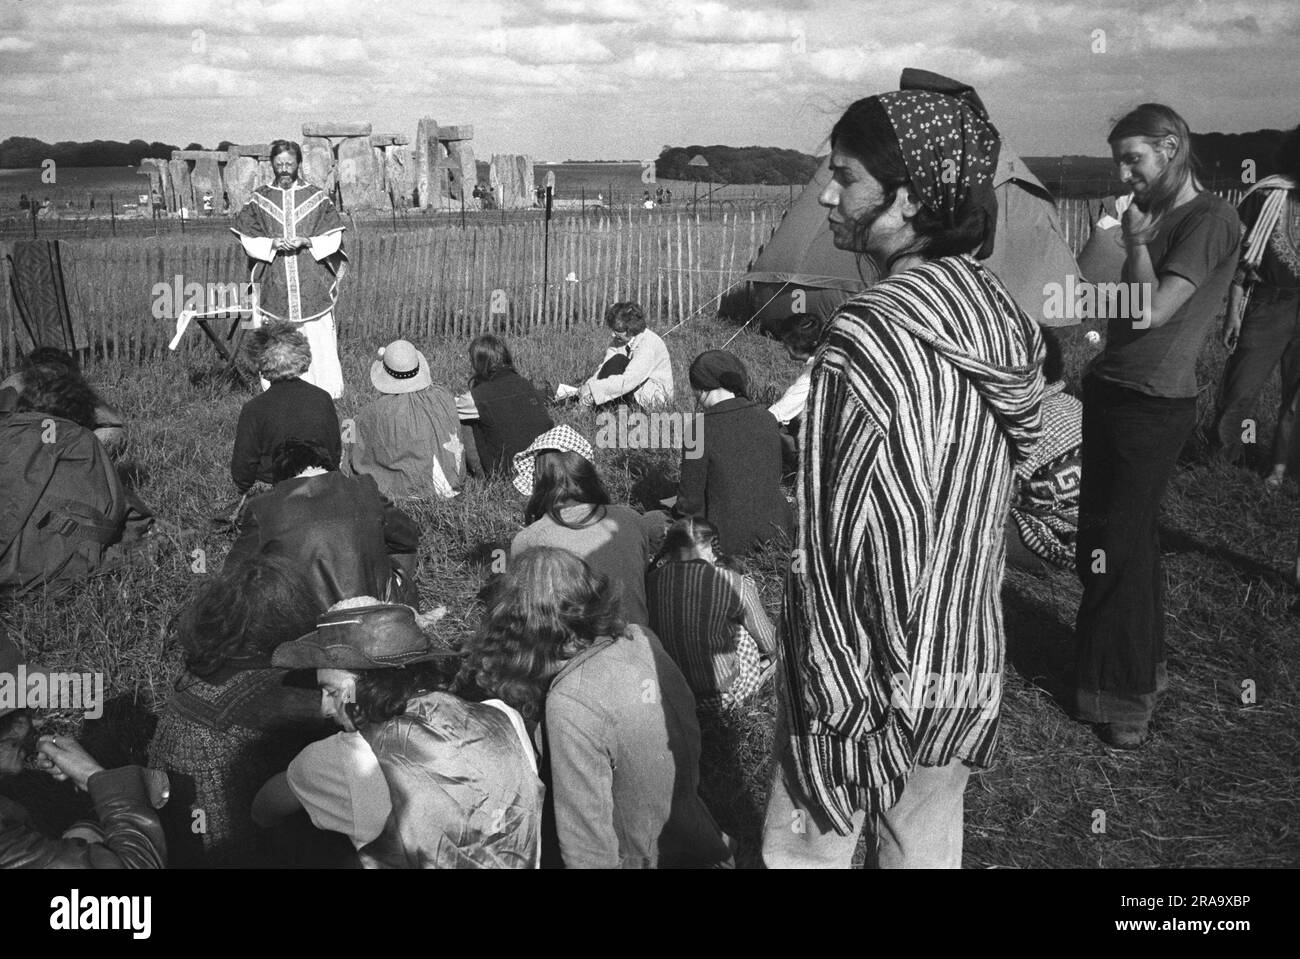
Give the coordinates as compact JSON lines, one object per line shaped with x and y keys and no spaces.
{"x":511,"y":414}
{"x":624,"y":752}
{"x":736,"y":483}
{"x":463,"y":791}
{"x":62,"y":506}
{"x":288,"y":409}
{"x":339,"y":529}
{"x":134,"y":835}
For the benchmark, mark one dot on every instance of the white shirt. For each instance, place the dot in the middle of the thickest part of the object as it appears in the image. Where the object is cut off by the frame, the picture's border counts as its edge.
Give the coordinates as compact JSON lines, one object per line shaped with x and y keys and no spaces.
{"x":649,"y":372}
{"x":792,"y":403}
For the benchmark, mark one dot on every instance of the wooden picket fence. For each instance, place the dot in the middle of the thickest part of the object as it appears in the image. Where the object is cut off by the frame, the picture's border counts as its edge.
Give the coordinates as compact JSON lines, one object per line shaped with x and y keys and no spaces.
{"x":440,"y":281}
{"x":443,"y":281}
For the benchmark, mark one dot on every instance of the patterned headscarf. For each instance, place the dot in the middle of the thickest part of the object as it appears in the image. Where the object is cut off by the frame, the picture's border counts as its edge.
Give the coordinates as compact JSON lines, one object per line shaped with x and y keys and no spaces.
{"x":951,"y":152}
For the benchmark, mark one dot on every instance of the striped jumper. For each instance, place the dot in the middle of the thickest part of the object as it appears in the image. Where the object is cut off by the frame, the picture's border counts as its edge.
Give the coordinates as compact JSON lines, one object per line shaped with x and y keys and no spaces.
{"x":925,"y":394}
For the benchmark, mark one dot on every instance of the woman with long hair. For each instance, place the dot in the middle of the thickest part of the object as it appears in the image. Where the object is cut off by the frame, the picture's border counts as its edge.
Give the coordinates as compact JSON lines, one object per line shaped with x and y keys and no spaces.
{"x":568,"y":507}
{"x":504,"y":411}
{"x":1139,"y":407}
{"x":709,"y":616}
{"x":924,"y":395}
{"x":233,"y":720}
{"x":620,"y":735}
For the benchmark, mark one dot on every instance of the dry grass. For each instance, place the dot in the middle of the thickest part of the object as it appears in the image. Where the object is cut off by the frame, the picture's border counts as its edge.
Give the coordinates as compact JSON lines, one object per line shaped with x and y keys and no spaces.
{"x":1217,"y":787}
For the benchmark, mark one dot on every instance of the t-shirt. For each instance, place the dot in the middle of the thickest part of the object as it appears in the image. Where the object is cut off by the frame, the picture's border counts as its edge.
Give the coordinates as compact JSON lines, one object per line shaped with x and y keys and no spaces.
{"x":340,"y":785}
{"x":1198,"y":241}
{"x":618,"y":543}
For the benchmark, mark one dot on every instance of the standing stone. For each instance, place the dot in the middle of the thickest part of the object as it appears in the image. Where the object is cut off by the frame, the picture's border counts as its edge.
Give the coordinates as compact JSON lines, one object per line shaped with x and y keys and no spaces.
{"x":205,"y":178}
{"x":318,"y":163}
{"x":426,"y":154}
{"x":241,"y":179}
{"x":464,"y":172}
{"x":182,"y":194}
{"x":399,"y":173}
{"x":160,"y":180}
{"x":360,"y":176}
{"x":512,"y":180}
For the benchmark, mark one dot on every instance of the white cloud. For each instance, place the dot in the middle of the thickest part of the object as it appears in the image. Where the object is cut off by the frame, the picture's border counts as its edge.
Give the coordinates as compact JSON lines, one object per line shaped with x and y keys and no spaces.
{"x":16,"y":45}
{"x":569,"y":43}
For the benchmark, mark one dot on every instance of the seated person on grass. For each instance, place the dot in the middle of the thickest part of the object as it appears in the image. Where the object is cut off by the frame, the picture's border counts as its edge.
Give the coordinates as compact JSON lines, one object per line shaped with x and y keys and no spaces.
{"x":709,"y":617}
{"x":64,"y":514}
{"x":233,"y":720}
{"x":107,"y":423}
{"x":636,"y":367}
{"x":408,"y":438}
{"x":735,"y":480}
{"x":291,"y":408}
{"x":346,"y":537}
{"x":504,"y":411}
{"x":419,"y":778}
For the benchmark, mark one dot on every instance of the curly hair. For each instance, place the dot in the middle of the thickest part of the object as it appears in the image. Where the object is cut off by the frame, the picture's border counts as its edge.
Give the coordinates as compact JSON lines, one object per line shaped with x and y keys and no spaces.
{"x":628,"y":314}
{"x":548,"y":607}
{"x":802,"y":336}
{"x":279,"y":351}
{"x":293,"y":456}
{"x":53,"y":390}
{"x":242,"y":616}
{"x":383,"y":694}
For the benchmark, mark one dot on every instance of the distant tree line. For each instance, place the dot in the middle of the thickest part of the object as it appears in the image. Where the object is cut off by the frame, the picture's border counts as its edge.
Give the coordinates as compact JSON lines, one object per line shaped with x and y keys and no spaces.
{"x":737,"y":165}
{"x":23,"y":152}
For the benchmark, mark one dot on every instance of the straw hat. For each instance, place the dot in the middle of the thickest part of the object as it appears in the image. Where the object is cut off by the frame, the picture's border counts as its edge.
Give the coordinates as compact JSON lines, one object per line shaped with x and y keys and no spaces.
{"x":401,"y":368}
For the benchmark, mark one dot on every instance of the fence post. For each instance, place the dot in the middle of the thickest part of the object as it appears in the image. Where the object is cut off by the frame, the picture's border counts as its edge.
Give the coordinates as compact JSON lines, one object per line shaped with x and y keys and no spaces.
{"x":112,"y":213}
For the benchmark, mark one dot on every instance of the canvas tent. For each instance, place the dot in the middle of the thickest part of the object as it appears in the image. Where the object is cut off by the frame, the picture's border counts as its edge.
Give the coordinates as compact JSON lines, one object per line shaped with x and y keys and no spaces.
{"x":799,"y":270}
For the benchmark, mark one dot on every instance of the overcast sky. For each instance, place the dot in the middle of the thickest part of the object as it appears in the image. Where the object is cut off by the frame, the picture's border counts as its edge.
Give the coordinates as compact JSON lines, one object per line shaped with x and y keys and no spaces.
{"x":620,"y":78}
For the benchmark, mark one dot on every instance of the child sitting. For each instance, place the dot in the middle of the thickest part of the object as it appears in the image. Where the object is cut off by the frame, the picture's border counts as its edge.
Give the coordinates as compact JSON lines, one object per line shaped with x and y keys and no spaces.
{"x":709,"y":617}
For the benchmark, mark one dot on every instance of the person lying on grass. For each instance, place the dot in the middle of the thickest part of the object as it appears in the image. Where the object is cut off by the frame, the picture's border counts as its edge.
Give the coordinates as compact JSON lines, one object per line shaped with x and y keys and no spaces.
{"x":419,"y":778}
{"x":709,"y":617}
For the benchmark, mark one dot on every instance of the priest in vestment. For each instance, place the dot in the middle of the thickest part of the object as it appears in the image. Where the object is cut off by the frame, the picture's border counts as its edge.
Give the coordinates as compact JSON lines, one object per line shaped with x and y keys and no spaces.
{"x":293,"y":236}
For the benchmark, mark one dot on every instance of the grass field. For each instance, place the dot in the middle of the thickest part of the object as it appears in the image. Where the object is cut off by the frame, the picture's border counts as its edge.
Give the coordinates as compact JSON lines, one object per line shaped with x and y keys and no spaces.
{"x":1219,"y":786}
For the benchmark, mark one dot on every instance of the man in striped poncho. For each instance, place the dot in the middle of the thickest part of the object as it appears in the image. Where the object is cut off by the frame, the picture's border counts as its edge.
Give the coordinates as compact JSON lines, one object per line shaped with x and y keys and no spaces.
{"x":925,"y":394}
